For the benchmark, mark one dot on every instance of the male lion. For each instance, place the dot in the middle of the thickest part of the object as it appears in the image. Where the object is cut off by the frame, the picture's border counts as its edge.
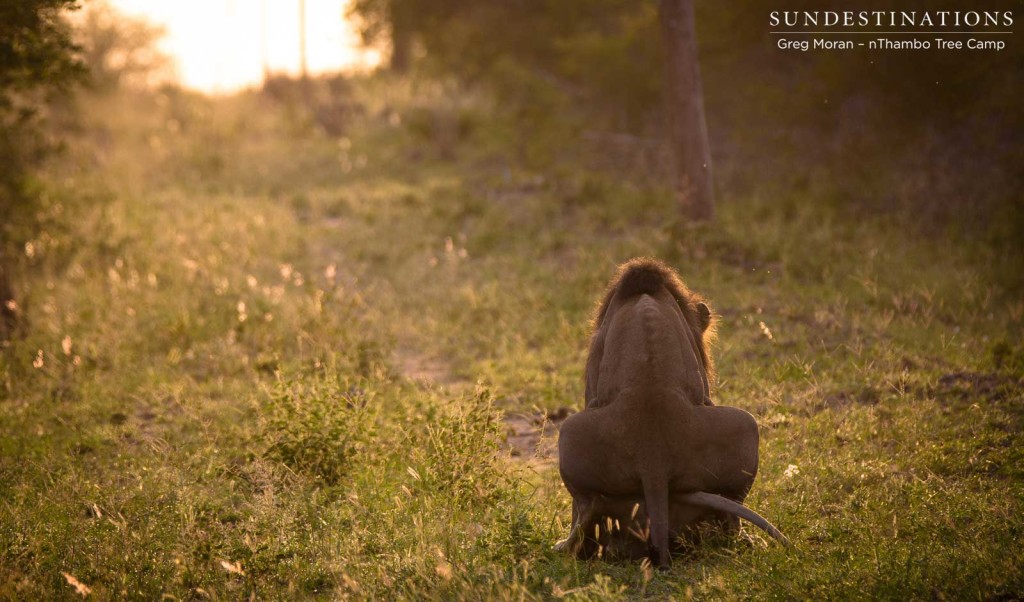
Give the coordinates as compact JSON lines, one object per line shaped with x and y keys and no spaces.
{"x":650,"y":457}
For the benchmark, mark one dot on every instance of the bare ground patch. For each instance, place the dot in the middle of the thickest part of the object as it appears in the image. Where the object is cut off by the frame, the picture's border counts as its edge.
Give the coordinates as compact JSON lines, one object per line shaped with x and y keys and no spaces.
{"x":534,"y":437}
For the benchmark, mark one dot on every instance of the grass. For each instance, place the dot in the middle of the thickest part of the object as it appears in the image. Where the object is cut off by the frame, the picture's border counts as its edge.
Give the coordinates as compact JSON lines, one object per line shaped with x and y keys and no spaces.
{"x":218,"y":395}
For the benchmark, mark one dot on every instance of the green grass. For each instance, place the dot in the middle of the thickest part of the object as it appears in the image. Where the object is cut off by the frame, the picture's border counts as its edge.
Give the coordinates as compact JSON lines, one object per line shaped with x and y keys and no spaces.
{"x":230,"y":301}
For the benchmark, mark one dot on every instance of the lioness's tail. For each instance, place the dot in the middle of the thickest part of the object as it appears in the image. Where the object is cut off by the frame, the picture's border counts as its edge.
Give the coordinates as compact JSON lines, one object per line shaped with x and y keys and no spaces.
{"x":717,"y":502}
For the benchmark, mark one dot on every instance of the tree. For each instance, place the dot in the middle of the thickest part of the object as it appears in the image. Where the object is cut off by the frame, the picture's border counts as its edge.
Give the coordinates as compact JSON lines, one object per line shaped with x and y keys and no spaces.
{"x":685,"y":99}
{"x":390,"y":21}
{"x":117,"y":49}
{"x":401,"y":38}
{"x":37,"y":62}
{"x":603,"y":50}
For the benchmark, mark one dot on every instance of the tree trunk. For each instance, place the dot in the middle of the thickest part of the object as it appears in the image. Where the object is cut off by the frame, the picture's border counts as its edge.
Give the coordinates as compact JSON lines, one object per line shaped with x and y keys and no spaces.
{"x":401,"y":39}
{"x":303,"y":67}
{"x":8,"y":313}
{"x":685,"y":100}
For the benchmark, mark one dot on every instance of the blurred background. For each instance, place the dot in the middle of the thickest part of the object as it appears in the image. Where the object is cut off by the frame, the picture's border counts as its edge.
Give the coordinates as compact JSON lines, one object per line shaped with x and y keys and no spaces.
{"x":226,"y":46}
{"x":931,"y":132}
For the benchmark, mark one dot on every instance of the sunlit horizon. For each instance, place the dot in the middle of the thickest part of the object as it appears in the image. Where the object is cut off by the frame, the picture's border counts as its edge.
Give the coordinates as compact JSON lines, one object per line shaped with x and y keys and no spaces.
{"x":219,"y":47}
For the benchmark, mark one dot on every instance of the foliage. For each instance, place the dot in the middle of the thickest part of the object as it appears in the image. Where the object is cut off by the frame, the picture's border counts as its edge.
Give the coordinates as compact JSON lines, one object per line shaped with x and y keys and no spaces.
{"x":605,"y":49}
{"x":317,"y":425}
{"x":458,"y":456}
{"x":36,"y":62}
{"x":117,"y":49}
{"x":928,"y":126}
{"x":36,"y":47}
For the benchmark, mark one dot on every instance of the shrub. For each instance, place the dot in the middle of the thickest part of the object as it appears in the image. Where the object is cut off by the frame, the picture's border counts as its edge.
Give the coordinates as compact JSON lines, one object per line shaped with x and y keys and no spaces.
{"x":37,"y":62}
{"x":460,"y":455}
{"x":317,"y":425}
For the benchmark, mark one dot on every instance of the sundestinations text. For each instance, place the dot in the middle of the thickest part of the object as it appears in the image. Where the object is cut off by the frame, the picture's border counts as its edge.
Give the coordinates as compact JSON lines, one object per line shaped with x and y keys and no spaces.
{"x":882,"y":18}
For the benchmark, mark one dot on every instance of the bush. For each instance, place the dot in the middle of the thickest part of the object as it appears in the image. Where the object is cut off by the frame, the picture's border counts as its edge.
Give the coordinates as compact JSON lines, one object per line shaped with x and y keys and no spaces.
{"x":318,"y":425}
{"x":37,"y":63}
{"x":118,"y":50}
{"x":459,"y":459}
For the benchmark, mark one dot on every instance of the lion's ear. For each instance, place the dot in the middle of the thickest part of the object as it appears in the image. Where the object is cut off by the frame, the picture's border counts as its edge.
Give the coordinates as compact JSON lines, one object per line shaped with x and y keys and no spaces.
{"x":704,"y":315}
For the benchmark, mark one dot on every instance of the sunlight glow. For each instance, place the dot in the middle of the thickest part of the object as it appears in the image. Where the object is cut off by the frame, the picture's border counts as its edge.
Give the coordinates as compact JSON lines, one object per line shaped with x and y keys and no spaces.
{"x":218,"y":46}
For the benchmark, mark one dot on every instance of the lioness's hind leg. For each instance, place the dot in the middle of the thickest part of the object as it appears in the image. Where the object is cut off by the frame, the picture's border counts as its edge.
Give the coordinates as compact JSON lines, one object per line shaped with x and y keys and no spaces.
{"x":580,"y":542}
{"x":572,"y":541}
